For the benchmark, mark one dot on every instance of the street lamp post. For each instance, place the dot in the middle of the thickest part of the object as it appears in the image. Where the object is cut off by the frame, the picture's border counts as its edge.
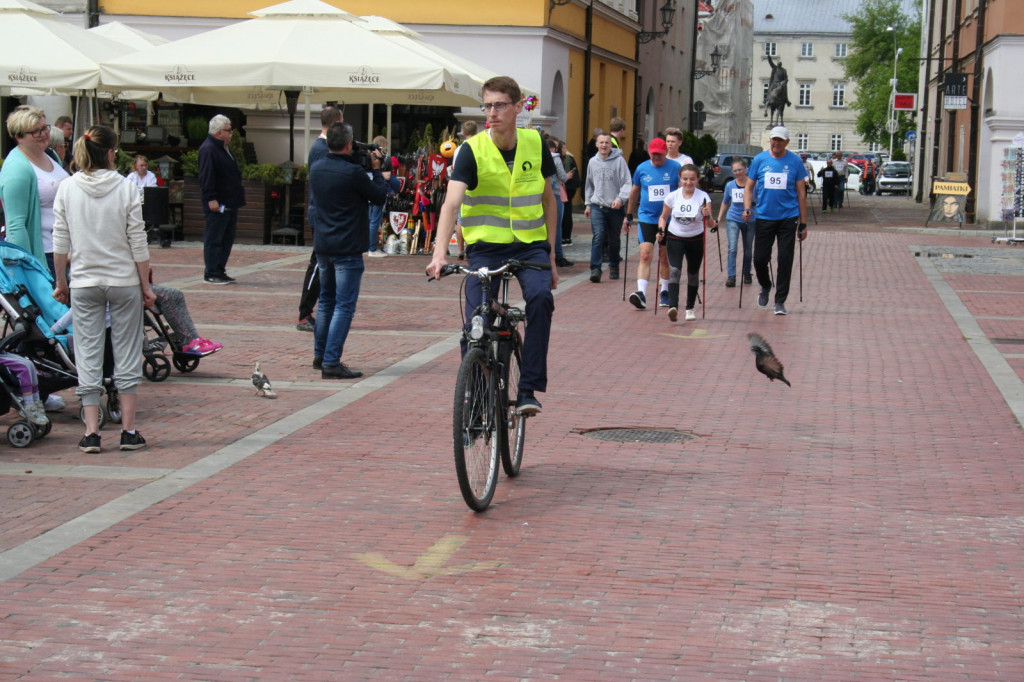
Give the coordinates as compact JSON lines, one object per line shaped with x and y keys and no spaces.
{"x":891,"y":126}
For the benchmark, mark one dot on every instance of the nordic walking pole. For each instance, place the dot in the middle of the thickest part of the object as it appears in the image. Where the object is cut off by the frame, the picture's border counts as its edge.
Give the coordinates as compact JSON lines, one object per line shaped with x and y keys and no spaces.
{"x":801,"y":247}
{"x":625,"y":264}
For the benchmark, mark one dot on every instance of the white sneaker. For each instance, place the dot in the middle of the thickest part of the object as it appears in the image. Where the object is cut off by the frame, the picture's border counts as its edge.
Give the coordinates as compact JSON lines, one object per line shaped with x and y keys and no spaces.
{"x":36,"y":414}
{"x":54,"y":403}
{"x":690,"y":316}
{"x":377,"y":254}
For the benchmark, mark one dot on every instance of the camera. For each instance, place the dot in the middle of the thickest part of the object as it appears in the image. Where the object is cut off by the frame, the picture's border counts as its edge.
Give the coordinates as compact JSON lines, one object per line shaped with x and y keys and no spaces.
{"x":362,"y":150}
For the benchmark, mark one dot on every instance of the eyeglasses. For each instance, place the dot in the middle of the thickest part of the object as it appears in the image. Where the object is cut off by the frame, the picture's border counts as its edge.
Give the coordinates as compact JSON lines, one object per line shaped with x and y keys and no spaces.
{"x":497,"y":106}
{"x":39,"y":132}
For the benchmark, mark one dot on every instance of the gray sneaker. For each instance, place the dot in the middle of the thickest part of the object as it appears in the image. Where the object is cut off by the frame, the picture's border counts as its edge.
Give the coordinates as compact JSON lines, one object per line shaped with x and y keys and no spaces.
{"x":762,"y":299}
{"x":780,"y":309}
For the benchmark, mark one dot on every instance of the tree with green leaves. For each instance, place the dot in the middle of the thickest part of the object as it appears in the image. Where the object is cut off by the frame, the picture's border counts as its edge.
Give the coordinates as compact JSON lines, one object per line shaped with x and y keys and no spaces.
{"x":870,"y":64}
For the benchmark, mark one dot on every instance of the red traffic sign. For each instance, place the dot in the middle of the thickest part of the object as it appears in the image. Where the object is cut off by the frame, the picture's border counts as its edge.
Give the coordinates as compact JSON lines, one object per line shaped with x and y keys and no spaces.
{"x":905,"y":101}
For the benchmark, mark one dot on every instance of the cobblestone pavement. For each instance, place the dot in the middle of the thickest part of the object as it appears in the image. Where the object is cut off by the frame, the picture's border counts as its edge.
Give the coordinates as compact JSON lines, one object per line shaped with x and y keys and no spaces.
{"x":863,"y":524}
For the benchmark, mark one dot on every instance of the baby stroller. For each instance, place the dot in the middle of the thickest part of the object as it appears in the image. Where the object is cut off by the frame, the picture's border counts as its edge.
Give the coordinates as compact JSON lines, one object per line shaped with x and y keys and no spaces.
{"x":38,"y":327}
{"x":23,"y":432}
{"x":159,"y":336}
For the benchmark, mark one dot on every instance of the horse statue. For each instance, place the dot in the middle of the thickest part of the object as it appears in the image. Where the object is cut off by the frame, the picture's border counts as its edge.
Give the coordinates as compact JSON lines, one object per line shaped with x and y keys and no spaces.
{"x":778,"y":95}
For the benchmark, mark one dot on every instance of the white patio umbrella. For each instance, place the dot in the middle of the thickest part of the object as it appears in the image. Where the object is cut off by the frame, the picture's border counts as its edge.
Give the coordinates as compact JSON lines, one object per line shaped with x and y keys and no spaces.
{"x":128,"y":36}
{"x":41,"y":54}
{"x":135,"y":40}
{"x":302,"y":45}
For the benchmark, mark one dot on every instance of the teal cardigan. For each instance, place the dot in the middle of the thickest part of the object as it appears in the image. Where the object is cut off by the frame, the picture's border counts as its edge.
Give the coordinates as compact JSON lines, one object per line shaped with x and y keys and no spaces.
{"x":19,"y":193}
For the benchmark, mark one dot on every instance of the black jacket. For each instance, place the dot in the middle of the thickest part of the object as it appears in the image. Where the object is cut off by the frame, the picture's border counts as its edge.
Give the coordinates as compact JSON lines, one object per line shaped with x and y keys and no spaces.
{"x":342,"y":192}
{"x":220,"y":177}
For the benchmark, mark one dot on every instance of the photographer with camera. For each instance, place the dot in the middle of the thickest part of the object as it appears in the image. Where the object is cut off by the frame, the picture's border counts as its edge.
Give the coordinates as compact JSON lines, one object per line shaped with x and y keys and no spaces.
{"x":342,"y":191}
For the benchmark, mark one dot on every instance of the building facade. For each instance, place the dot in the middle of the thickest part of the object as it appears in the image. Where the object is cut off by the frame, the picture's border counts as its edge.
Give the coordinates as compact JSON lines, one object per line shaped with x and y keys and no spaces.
{"x":664,"y":84}
{"x":980,"y":44}
{"x":723,"y":94}
{"x":811,"y":40}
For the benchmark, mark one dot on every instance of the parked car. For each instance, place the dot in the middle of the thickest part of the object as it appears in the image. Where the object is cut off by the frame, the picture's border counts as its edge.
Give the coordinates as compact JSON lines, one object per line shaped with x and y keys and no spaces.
{"x":894,"y":177}
{"x":723,"y":168}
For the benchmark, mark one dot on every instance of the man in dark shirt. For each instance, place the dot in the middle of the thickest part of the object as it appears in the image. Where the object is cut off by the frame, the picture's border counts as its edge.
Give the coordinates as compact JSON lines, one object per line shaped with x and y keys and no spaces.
{"x":329,"y":115}
{"x":342,"y":192}
{"x":220,"y":185}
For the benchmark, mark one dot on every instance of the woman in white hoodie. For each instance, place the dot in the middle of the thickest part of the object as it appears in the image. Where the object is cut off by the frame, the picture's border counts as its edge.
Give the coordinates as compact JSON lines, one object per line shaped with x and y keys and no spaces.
{"x":98,"y":227}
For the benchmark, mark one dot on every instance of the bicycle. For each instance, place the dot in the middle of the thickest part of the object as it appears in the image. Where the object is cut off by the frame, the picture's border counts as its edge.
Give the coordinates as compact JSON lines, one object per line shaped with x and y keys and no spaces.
{"x":485,"y":423}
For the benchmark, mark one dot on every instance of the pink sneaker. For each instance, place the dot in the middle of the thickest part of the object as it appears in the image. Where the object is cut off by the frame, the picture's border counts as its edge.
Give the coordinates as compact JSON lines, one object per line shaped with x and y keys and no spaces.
{"x":209,"y":346}
{"x":194,"y":346}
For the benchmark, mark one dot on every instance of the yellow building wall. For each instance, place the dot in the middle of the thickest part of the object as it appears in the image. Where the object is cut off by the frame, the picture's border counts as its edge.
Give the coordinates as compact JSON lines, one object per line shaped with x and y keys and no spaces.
{"x":460,"y":12}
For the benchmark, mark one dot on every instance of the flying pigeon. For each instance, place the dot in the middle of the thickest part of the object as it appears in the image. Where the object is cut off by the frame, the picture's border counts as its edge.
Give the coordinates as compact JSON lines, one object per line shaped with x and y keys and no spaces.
{"x":262,"y":383}
{"x":765,"y":361}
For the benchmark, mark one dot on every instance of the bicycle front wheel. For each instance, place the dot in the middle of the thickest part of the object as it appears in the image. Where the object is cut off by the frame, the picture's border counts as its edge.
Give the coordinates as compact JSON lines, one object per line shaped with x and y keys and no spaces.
{"x":513,"y":428}
{"x":475,"y":431}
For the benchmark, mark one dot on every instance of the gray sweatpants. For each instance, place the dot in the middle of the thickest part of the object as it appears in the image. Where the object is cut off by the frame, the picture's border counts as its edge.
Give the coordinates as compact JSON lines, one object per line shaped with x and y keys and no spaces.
{"x":88,"y":308}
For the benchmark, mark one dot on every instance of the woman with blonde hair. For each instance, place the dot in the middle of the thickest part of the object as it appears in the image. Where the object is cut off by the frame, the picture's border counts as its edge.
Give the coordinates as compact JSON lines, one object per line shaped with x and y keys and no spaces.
{"x":99,"y":228}
{"x":140,"y":175}
{"x":28,"y":183}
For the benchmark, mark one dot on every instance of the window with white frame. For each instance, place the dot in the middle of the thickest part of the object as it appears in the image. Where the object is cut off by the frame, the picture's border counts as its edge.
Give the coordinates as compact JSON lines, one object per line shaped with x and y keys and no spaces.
{"x":839,"y":94}
{"x":806,"y":50}
{"x":840,"y":50}
{"x":771,"y":49}
{"x":764,"y":95}
{"x":836,"y":142}
{"x":805,"y":95}
{"x":802,"y":141}
{"x":874,"y":147}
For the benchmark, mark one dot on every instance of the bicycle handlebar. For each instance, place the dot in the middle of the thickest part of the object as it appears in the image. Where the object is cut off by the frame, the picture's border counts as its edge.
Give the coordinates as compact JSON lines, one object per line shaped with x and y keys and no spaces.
{"x":510,"y":266}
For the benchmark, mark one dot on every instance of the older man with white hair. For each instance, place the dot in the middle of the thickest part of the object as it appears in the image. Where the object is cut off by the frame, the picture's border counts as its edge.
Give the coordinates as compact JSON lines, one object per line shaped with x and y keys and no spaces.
{"x":776,"y":178}
{"x":220,"y":186}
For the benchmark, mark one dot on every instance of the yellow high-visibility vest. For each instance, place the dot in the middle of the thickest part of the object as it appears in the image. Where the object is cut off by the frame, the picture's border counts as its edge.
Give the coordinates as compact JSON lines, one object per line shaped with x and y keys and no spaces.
{"x":505,"y":206}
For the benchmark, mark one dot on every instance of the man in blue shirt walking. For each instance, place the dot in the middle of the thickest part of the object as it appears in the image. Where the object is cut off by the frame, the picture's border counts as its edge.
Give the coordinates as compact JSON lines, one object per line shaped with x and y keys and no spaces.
{"x":776,"y":178}
{"x":652,"y":182}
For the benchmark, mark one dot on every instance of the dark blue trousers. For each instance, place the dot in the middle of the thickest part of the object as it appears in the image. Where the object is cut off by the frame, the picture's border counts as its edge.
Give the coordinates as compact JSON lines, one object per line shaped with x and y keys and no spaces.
{"x":218,"y":238}
{"x":540,"y":304}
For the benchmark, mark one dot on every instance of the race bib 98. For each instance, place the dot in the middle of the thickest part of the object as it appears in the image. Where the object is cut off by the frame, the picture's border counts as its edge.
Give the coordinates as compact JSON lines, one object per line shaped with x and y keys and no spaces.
{"x":657,"y":192}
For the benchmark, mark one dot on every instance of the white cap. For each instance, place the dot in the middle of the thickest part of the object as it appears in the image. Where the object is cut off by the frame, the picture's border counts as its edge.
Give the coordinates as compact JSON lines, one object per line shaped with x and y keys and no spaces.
{"x":780,"y":132}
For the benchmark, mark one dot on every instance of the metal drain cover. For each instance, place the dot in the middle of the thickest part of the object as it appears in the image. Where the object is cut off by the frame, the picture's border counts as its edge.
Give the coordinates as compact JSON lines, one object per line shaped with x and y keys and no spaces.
{"x":634,"y":434}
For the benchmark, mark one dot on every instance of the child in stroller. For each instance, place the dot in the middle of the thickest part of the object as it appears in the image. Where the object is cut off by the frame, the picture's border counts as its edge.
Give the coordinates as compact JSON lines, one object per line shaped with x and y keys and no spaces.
{"x":37,"y":327}
{"x":170,"y":320}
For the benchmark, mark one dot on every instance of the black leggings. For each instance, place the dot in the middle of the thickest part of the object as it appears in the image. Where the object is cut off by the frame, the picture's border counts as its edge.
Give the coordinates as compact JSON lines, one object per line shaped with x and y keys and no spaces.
{"x":693,"y":249}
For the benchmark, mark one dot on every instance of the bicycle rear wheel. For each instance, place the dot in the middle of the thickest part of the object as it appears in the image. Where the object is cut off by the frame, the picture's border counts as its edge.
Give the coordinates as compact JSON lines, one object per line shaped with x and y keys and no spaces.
{"x":513,"y":426}
{"x":475,"y":431}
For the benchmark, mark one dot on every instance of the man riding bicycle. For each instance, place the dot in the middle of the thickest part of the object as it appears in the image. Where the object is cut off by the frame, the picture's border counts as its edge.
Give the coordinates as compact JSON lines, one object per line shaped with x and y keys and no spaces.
{"x":502,"y":181}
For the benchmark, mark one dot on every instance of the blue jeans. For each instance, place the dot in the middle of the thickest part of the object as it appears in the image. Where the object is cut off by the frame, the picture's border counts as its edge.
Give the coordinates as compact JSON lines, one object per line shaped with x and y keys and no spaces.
{"x":218,"y":238}
{"x":375,"y":217}
{"x":558,"y":232}
{"x":340,"y":278}
{"x":733,"y":228}
{"x":606,"y":221}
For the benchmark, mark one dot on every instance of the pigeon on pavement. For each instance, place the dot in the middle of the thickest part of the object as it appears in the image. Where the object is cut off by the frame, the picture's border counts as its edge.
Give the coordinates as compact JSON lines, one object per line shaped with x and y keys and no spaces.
{"x":765,"y":360}
{"x":262,"y":383}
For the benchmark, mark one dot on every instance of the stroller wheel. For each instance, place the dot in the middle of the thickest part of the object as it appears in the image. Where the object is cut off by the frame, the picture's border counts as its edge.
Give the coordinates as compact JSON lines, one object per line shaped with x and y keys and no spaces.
{"x":185,"y":363}
{"x":43,"y":430}
{"x":156,"y":368}
{"x":113,"y":409}
{"x":103,"y":416}
{"x":21,"y":434}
